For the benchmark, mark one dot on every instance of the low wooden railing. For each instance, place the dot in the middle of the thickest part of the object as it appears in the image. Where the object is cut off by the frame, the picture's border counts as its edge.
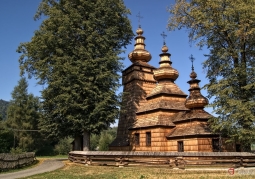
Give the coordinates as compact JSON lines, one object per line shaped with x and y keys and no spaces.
{"x":171,"y":159}
{"x":11,"y":161}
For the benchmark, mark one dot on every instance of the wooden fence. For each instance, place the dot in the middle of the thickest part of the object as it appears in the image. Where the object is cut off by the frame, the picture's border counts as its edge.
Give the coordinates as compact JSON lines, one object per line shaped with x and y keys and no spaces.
{"x":11,"y":161}
{"x":170,"y":159}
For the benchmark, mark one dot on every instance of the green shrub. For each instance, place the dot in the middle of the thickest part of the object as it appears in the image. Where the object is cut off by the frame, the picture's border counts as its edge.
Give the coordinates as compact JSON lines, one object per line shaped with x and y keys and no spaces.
{"x":16,"y":150}
{"x":94,"y":141}
{"x":6,"y":141}
{"x":64,"y":146}
{"x":46,"y":150}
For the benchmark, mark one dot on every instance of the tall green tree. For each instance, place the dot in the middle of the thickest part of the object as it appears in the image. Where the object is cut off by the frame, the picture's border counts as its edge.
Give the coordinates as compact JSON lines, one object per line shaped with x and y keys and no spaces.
{"x":227,"y":29}
{"x":75,"y":53}
{"x":23,"y":117}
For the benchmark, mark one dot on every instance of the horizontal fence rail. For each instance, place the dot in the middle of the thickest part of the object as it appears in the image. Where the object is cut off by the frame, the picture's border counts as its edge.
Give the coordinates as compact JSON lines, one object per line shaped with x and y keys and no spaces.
{"x":11,"y":161}
{"x":171,"y":159}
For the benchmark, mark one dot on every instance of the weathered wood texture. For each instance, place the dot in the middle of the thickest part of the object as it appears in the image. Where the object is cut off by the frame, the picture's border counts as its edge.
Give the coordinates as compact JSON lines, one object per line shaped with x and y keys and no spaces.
{"x":158,"y":140}
{"x":160,"y":143}
{"x":138,"y":81}
{"x":11,"y":161}
{"x":172,"y":159}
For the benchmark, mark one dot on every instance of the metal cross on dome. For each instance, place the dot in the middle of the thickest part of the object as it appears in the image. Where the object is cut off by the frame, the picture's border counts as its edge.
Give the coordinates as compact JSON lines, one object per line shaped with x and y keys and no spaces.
{"x":139,"y":19}
{"x":192,"y":59}
{"x":164,"y":37}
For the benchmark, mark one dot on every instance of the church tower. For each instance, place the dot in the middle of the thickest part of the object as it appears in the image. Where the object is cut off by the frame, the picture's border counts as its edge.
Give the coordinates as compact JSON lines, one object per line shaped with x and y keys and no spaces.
{"x":137,"y":81}
{"x":155,"y":116}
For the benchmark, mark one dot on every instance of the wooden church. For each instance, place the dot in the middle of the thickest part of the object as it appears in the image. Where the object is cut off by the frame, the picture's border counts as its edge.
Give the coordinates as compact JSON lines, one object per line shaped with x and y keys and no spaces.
{"x":156,"y":114}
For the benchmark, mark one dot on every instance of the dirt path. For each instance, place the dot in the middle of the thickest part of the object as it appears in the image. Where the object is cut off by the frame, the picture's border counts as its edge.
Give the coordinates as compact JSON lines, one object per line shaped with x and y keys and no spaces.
{"x":47,"y":166}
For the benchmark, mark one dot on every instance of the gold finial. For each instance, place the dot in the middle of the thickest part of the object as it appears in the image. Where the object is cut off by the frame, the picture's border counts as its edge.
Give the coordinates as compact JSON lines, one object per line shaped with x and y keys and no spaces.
{"x":164,"y":37}
{"x":139,"y":19}
{"x":139,"y":53}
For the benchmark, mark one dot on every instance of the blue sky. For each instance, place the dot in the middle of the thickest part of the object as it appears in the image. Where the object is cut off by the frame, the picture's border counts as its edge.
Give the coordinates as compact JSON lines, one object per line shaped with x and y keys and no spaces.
{"x":17,"y":25}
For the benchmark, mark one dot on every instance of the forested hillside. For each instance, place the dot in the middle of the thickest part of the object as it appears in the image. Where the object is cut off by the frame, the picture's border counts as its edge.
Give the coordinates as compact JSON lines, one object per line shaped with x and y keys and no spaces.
{"x":3,"y":108}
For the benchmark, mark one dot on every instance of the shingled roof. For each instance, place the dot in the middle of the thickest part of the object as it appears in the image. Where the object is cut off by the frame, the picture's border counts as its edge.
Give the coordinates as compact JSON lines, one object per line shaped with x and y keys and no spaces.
{"x":160,"y":120}
{"x":191,"y":114}
{"x":193,"y":129}
{"x":140,"y":63}
{"x":162,"y":104}
{"x":169,"y":88}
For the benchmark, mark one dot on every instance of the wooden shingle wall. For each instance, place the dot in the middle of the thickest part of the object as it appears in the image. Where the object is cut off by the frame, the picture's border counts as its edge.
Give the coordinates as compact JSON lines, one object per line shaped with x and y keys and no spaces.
{"x":138,"y":81}
{"x":158,"y":139}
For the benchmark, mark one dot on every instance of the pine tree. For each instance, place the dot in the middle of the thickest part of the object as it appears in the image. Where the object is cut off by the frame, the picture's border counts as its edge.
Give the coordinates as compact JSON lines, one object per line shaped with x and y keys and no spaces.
{"x":75,"y":53}
{"x":23,"y":116}
{"x":227,"y":29}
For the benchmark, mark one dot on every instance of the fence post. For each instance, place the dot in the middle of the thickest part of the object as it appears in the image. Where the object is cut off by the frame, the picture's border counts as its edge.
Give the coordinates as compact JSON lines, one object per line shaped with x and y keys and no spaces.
{"x":179,"y":163}
{"x":88,"y":160}
{"x":241,"y":162}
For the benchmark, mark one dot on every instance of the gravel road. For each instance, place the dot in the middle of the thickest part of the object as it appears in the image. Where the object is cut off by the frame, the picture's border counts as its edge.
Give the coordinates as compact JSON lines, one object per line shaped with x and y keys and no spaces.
{"x":47,"y":166}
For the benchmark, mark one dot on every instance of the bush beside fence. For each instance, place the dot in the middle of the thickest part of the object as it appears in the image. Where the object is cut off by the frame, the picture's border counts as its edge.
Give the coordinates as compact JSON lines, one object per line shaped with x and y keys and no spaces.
{"x":12,"y":161}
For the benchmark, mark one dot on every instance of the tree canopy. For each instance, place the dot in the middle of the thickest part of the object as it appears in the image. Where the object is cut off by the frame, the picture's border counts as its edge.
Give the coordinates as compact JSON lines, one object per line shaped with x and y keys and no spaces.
{"x":227,"y":29}
{"x":75,"y":54}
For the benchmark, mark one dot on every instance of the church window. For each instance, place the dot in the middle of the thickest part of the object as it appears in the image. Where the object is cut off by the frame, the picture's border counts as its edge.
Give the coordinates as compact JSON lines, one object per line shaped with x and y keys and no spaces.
{"x":137,"y":139}
{"x":215,"y":145}
{"x":148,"y":138}
{"x":180,"y":146}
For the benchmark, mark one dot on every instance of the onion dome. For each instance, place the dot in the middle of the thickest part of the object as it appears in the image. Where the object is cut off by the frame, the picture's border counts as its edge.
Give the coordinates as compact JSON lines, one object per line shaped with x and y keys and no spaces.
{"x":165,"y":75}
{"x":165,"y":70}
{"x":195,"y":99}
{"x":139,"y":53}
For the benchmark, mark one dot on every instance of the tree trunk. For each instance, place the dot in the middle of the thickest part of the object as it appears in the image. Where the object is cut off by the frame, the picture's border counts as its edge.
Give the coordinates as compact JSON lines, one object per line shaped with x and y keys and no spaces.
{"x":77,"y":143}
{"x":86,"y":140}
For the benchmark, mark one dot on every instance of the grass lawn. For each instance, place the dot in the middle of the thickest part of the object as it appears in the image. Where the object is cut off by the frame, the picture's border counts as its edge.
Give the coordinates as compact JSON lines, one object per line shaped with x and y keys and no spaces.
{"x":79,"y":171}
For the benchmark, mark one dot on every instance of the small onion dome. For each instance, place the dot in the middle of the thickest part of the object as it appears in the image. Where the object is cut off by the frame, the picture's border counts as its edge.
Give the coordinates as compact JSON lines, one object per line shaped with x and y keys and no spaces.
{"x":165,"y":70}
{"x":196,"y":100}
{"x":166,"y":73}
{"x":139,"y":53}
